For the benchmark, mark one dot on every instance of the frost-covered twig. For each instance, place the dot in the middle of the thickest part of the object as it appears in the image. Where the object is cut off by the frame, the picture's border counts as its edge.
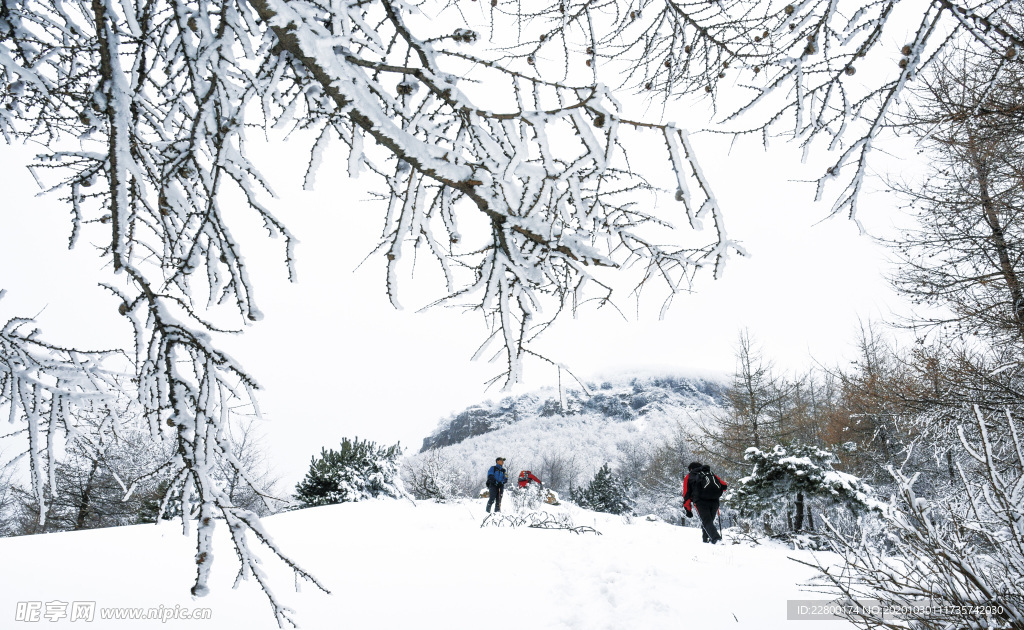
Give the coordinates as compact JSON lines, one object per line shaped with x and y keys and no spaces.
{"x":965,"y":556}
{"x":538,"y":520}
{"x":50,"y":390}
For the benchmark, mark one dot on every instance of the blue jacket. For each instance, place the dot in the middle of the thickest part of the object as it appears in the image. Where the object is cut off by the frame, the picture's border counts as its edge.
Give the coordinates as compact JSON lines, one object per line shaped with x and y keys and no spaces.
{"x":496,"y":475}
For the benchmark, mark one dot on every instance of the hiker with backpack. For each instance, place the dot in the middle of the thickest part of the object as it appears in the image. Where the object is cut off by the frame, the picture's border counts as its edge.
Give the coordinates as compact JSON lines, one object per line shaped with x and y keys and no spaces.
{"x":496,"y":478}
{"x":525,"y":477}
{"x":528,"y":493}
{"x":703,"y":489}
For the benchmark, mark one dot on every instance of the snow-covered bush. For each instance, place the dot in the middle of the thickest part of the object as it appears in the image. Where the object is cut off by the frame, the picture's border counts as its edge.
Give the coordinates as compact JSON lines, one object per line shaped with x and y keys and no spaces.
{"x":787,"y":482}
{"x":91,"y":483}
{"x":606,"y":492}
{"x":529,"y":498}
{"x":437,"y":475}
{"x":359,"y":470}
{"x":965,"y":554}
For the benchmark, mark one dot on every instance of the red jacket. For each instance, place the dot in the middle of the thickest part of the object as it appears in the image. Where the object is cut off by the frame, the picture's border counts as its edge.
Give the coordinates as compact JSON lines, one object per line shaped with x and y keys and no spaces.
{"x":525,"y":477}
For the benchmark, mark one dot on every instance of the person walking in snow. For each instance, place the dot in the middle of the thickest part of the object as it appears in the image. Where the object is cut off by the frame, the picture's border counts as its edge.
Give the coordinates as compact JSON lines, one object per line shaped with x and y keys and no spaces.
{"x":496,"y":478}
{"x":703,"y":489}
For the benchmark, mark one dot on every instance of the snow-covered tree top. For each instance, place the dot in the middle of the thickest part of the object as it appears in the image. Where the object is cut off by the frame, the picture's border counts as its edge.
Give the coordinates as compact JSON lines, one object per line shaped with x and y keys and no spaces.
{"x":798,"y":468}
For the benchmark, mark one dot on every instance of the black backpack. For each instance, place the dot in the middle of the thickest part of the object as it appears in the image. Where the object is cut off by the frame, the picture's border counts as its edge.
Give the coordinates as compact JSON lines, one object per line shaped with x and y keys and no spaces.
{"x":707,"y":487}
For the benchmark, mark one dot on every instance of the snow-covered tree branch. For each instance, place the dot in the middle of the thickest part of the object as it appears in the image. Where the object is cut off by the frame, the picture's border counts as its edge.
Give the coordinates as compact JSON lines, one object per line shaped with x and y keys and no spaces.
{"x":51,"y":393}
{"x":953,"y":556}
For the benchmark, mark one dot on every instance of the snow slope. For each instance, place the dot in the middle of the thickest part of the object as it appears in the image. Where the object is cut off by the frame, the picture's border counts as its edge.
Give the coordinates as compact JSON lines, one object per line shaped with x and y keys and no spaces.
{"x":392,"y":564}
{"x":395,"y":565}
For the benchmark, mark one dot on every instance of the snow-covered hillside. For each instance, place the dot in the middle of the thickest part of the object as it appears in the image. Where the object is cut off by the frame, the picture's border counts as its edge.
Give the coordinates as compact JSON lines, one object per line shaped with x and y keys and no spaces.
{"x":532,"y":428}
{"x":393,"y":565}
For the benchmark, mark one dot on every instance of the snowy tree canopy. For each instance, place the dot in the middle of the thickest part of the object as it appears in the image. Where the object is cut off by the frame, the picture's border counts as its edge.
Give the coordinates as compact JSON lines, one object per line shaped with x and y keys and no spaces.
{"x":357,"y":471}
{"x":801,"y":468}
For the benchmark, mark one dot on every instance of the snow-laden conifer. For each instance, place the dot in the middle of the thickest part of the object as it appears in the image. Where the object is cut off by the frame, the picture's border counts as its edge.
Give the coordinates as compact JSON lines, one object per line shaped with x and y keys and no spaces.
{"x":606,"y":492}
{"x":786,"y":482}
{"x":358,"y":470}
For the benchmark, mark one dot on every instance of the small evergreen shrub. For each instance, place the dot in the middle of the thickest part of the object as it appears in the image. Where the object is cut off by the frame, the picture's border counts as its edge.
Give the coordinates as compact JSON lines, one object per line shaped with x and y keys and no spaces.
{"x":359,"y":470}
{"x":605,"y":493}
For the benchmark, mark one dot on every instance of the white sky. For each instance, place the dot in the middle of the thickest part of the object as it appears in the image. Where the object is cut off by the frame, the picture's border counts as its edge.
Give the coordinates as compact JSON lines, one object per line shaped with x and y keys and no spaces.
{"x":335,"y":359}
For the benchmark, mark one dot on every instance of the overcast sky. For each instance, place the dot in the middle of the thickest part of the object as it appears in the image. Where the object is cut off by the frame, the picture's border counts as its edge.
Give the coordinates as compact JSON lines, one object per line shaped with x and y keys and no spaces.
{"x":335,"y":359}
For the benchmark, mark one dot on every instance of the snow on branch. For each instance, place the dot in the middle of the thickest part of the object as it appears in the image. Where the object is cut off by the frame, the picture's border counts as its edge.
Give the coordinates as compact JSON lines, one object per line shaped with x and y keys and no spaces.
{"x":550,"y":176}
{"x":946,"y":559}
{"x":191,"y":390}
{"x":48,"y":391}
{"x":822,"y":73}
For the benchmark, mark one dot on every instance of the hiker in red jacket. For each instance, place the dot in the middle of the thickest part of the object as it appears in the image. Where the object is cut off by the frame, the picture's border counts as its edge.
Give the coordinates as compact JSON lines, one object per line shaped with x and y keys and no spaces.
{"x":528,"y":493}
{"x":703,"y":488}
{"x":525,"y":477}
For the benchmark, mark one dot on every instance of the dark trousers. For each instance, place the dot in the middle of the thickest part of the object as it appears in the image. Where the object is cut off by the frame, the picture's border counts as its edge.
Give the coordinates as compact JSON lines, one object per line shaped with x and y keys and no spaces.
{"x":494,"y":497}
{"x":707,"y":510}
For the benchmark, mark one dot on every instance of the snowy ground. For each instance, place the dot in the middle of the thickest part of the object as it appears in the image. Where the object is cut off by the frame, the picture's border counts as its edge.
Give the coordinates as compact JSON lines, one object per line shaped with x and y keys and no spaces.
{"x":394,"y":565}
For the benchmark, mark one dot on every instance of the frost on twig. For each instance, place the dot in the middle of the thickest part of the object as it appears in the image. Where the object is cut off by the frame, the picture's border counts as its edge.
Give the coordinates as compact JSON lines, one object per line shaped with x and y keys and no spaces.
{"x":190,"y":390}
{"x":537,"y":520}
{"x":547,"y":169}
{"x":50,"y":392}
{"x":829,"y":74}
{"x":954,"y":563}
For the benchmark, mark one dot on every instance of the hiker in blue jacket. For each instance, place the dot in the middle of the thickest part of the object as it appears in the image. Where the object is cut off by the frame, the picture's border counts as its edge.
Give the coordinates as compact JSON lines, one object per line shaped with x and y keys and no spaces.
{"x":496,"y":478}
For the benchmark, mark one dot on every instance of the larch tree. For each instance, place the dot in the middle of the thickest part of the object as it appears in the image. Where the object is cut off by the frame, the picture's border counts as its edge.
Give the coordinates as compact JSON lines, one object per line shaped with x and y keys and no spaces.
{"x":953,"y":528}
{"x":462,"y":111}
{"x":963,"y":254}
{"x":757,"y":402}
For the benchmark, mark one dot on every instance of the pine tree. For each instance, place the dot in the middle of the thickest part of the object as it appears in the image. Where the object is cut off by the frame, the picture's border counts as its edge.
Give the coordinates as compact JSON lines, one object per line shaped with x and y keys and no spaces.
{"x":605,"y":493}
{"x":360,"y":470}
{"x":800,"y":472}
{"x":163,"y":502}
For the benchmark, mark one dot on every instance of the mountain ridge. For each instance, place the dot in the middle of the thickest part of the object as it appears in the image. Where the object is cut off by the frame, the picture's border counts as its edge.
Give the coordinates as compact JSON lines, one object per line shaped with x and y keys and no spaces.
{"x":565,"y":436}
{"x":624,"y":399}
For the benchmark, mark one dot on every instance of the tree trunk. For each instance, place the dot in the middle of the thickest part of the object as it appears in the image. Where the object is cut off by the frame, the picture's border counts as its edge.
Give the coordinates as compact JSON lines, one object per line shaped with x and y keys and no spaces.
{"x":799,"y":524}
{"x":999,"y":242}
{"x":83,"y":508}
